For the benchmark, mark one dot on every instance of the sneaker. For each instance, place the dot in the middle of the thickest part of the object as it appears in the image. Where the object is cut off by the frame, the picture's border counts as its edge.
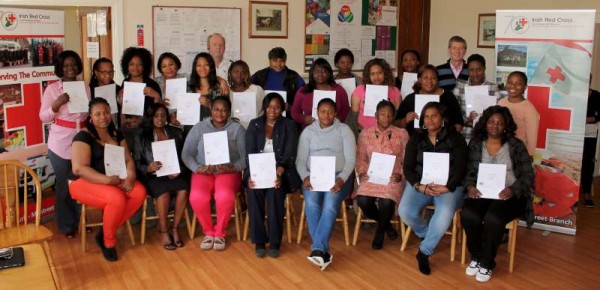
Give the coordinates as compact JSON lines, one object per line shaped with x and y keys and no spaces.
{"x":483,"y":275}
{"x":423,"y":261}
{"x":207,"y":243}
{"x":260,"y":251}
{"x":327,"y":259}
{"x":273,"y":253}
{"x":219,"y":244}
{"x":316,"y":257}
{"x":589,"y":203}
{"x":472,"y":269}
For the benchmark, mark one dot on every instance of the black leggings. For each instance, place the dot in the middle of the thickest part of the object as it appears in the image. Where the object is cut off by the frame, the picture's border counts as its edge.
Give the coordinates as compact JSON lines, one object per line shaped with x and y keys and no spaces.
{"x":383,"y":212}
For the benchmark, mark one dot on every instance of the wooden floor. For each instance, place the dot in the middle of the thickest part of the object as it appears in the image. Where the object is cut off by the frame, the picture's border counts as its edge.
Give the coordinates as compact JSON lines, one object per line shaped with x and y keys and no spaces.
{"x":553,"y":261}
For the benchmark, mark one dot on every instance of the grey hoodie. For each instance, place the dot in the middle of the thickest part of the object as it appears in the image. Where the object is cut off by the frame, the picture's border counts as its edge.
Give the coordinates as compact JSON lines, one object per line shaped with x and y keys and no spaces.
{"x":336,"y":140}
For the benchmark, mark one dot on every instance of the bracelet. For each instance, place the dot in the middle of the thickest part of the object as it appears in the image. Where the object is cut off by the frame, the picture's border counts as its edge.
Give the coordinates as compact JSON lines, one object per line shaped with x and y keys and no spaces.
{"x":426,"y":186}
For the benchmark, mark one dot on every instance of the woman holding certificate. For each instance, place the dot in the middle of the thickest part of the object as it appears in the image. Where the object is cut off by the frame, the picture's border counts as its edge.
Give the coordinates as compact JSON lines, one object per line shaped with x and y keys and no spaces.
{"x":204,"y":80}
{"x":162,"y":185}
{"x":326,"y":159}
{"x":434,"y":167}
{"x":240,"y":82}
{"x":271,"y":133}
{"x":66,"y":124}
{"x":426,"y":89}
{"x":102,"y":81}
{"x":488,"y":209}
{"x":379,"y":160}
{"x":321,"y":84}
{"x":215,"y":152}
{"x":106,"y":171}
{"x":378,"y":85}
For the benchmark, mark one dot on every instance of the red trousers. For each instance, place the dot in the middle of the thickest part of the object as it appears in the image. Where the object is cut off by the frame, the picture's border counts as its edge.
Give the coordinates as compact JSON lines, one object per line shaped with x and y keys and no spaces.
{"x":117,"y":206}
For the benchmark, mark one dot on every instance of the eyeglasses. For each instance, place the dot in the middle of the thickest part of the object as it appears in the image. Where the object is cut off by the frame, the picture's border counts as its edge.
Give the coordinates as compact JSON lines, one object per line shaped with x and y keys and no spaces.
{"x":105,"y":72}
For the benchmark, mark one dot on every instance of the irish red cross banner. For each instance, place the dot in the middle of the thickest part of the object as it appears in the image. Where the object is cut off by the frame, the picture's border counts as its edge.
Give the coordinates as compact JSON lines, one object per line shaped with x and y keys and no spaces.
{"x":553,"y":48}
{"x":30,"y":42}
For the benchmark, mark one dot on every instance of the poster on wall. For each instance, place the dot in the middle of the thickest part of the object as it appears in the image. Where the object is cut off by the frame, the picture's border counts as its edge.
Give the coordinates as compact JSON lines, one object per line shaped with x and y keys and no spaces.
{"x":553,"y":48}
{"x":30,"y":42}
{"x":366,"y":27}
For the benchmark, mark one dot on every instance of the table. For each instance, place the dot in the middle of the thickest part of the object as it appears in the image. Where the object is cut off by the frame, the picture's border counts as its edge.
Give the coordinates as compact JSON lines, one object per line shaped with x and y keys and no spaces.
{"x":35,"y":274}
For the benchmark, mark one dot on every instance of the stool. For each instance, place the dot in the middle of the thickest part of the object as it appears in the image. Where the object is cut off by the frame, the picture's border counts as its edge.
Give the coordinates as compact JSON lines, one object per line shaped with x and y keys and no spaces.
{"x":237,"y":212}
{"x":512,"y":244}
{"x":343,"y":219}
{"x":452,"y":233}
{"x":289,"y":215}
{"x":359,"y":220}
{"x":84,"y":224}
{"x":170,"y":215}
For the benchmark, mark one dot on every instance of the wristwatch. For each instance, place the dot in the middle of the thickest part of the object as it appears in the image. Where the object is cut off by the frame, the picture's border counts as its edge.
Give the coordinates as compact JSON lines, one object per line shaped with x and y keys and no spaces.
{"x":417,"y":185}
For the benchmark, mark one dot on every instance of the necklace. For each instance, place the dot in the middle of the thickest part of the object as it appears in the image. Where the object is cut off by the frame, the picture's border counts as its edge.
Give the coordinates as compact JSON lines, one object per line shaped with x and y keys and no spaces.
{"x":270,"y":125}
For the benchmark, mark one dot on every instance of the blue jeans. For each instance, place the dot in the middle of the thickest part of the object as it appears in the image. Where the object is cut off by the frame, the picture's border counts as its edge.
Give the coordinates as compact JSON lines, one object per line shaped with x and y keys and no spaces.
{"x":321,"y":211}
{"x":412,"y":204}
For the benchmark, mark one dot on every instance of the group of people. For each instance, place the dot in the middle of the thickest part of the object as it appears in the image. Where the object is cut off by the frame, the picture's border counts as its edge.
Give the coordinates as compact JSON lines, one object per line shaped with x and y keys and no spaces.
{"x":285,"y":126}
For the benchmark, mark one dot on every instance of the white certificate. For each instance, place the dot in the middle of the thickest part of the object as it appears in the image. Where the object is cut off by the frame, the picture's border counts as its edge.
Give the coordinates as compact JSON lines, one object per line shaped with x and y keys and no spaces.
{"x":165,"y":152}
{"x":322,"y":172}
{"x":175,"y":88}
{"x":420,"y":102}
{"x":408,"y":81}
{"x":318,"y":95}
{"x":78,"y":99}
{"x":380,"y":168}
{"x":216,"y":148}
{"x":114,"y":161}
{"x":436,"y":168}
{"x":243,"y":107}
{"x":373,"y":95}
{"x":349,"y":86}
{"x":188,"y":109}
{"x":263,"y":170}
{"x":477,"y":99}
{"x":109,"y":93}
{"x":133,"y":98}
{"x":283,"y":94}
{"x":491,"y":180}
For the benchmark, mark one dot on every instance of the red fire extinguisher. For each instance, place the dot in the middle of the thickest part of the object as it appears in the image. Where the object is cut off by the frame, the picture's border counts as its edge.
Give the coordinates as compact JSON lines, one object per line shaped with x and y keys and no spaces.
{"x":140,"y":35}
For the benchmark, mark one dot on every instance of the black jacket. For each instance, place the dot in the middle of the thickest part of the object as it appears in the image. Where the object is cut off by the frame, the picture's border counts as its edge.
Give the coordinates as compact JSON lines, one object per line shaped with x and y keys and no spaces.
{"x":449,"y":141}
{"x":142,"y":151}
{"x":285,"y":145}
{"x":289,"y":83}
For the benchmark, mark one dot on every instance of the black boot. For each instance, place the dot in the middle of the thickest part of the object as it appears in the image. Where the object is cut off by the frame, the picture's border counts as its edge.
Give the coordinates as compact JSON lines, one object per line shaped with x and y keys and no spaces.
{"x":391,"y":232}
{"x":423,"y":261}
{"x":378,"y":239}
{"x":110,"y":254}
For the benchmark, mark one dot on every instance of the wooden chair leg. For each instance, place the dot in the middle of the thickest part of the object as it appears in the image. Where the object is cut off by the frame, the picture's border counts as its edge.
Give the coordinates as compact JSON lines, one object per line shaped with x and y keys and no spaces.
{"x":188,"y":223}
{"x":463,"y":252}
{"x":405,"y":238}
{"x":301,"y":224}
{"x":237,"y":212}
{"x":288,"y":217}
{"x":131,"y":236}
{"x":345,"y":221}
{"x":51,"y":264}
{"x":246,"y":225}
{"x":402,"y":228}
{"x":513,"y":245}
{"x":453,"y":240}
{"x":357,"y":226}
{"x":194,"y":221}
{"x":143,"y":225}
{"x":82,"y":223}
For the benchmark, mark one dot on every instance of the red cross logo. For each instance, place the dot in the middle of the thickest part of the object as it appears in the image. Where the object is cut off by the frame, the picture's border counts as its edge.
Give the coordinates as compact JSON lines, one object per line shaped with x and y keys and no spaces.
{"x":11,"y":18}
{"x":523,"y":22}
{"x":550,"y":118}
{"x":555,"y":74}
{"x":25,"y":115}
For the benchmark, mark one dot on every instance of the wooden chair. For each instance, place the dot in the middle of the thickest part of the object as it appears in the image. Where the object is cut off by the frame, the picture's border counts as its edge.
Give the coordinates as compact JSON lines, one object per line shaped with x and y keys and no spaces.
{"x":15,"y":229}
{"x":237,"y":216}
{"x":289,"y":215}
{"x":359,"y":220}
{"x":452,"y":232}
{"x":83,"y":224}
{"x":145,"y":218}
{"x":512,"y":244}
{"x":343,"y":219}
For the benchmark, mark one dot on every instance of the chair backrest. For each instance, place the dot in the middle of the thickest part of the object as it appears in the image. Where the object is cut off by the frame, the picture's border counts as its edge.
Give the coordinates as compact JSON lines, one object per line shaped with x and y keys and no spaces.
{"x":17,"y":181}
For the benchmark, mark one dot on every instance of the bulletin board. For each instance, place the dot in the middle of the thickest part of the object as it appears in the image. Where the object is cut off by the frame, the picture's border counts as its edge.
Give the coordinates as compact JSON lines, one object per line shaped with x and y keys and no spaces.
{"x":184,"y":31}
{"x":368,"y":28}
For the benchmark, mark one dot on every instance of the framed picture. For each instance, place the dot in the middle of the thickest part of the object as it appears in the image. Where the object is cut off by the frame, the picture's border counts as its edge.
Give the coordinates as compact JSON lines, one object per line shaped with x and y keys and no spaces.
{"x":486,"y":30}
{"x":268,"y":19}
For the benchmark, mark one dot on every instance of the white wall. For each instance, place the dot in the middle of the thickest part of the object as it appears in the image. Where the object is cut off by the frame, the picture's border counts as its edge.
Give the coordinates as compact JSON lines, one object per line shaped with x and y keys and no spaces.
{"x":459,"y":17}
{"x":254,"y":51}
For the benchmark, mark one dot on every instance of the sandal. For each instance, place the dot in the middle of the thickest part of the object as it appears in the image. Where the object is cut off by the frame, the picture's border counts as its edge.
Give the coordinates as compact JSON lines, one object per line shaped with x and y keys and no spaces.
{"x":176,"y":239}
{"x":170,"y":246}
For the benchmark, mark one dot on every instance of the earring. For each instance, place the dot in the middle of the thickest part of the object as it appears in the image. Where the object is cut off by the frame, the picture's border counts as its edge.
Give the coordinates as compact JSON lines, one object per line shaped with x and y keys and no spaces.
{"x":424,"y":127}
{"x":443,"y":124}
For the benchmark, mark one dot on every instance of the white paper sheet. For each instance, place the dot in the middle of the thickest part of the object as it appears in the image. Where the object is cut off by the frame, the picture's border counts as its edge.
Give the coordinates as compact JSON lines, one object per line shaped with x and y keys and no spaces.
{"x":283,"y":94}
{"x":133,"y":98}
{"x":408,"y":81}
{"x":591,"y":130}
{"x":188,"y":109}
{"x":420,"y":102}
{"x":216,"y":148}
{"x":263,"y":170}
{"x":109,"y":93}
{"x":243,"y":107}
{"x":436,"y":168}
{"x":476,"y":97}
{"x":491,"y":180}
{"x":322,"y":172}
{"x":92,"y":49}
{"x":114,"y":161}
{"x":349,"y":86}
{"x":373,"y":95}
{"x":174,"y":89}
{"x":165,"y":152}
{"x":78,"y":100}
{"x":318,"y":95}
{"x":380,"y":168}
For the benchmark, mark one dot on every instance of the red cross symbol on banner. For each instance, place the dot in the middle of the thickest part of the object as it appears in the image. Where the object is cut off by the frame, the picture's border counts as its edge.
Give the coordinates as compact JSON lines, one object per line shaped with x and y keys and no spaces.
{"x":555,"y":74}
{"x":550,"y":118}
{"x":523,"y":22}
{"x":26,"y":115}
{"x":11,"y":17}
